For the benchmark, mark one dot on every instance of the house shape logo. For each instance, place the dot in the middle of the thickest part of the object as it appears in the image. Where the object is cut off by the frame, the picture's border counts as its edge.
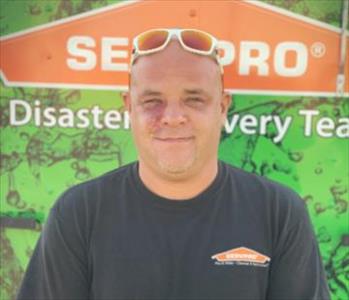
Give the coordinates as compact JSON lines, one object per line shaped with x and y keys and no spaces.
{"x":265,"y":49}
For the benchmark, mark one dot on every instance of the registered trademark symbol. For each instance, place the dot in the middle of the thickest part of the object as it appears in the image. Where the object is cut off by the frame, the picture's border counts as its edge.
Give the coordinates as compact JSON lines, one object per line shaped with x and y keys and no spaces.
{"x":318,"y":49}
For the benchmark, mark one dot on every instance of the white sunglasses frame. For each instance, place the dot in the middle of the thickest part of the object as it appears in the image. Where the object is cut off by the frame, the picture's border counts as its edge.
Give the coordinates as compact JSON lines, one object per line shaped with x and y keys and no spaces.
{"x":213,"y":52}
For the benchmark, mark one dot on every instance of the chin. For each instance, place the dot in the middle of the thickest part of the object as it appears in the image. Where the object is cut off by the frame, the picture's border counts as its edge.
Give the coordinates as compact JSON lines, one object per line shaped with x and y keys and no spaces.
{"x":177,"y":166}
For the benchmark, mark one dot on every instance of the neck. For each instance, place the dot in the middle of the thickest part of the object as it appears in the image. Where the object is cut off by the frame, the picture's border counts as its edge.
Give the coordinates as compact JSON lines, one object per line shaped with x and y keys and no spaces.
{"x":176,"y":187}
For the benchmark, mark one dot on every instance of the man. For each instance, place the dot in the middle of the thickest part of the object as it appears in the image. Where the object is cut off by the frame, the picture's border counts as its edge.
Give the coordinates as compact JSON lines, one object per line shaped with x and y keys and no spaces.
{"x":179,"y":223}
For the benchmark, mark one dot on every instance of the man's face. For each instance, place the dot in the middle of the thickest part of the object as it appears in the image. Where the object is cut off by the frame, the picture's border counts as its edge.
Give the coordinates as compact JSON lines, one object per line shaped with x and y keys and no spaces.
{"x":177,"y":108}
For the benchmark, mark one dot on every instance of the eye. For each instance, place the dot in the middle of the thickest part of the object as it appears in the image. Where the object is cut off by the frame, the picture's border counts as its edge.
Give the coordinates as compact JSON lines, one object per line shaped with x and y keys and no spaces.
{"x":195,"y":101}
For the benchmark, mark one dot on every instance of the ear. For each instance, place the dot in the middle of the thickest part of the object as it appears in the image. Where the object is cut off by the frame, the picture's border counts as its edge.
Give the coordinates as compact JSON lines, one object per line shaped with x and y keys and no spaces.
{"x":127,"y":100}
{"x":225,"y":103}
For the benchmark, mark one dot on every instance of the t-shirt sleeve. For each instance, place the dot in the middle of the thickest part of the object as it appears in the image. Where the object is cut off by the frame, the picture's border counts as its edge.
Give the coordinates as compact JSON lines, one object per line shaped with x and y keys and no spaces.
{"x":58,"y":267}
{"x":296,"y":268}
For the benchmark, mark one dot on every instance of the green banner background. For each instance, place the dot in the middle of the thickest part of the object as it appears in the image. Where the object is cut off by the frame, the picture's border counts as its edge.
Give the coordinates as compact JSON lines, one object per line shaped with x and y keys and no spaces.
{"x":38,"y":164}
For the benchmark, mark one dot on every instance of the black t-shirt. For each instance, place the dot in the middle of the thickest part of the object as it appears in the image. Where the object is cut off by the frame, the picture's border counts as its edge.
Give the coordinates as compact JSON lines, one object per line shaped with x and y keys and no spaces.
{"x":244,"y":237}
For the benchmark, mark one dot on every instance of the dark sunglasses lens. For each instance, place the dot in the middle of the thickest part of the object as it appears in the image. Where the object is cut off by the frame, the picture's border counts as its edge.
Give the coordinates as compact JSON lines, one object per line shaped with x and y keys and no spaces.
{"x":197,"y":40}
{"x":152,"y":40}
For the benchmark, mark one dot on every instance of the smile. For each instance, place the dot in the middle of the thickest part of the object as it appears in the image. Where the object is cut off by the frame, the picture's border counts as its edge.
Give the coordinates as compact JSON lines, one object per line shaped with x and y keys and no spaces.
{"x":174,"y":139}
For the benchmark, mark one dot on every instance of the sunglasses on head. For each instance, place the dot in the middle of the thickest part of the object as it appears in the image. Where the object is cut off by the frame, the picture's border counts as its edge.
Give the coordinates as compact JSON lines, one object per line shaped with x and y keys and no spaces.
{"x":192,"y":40}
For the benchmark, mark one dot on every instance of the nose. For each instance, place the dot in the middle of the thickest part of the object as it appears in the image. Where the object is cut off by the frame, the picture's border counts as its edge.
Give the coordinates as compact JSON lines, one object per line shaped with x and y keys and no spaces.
{"x":173,"y":115}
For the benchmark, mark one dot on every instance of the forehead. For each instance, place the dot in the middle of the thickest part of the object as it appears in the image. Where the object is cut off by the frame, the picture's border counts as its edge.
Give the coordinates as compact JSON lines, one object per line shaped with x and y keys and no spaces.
{"x":175,"y":66}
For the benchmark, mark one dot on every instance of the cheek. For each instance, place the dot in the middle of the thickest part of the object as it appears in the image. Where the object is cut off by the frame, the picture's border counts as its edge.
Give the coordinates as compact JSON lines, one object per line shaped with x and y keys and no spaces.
{"x":148,"y":120}
{"x":210,"y":129}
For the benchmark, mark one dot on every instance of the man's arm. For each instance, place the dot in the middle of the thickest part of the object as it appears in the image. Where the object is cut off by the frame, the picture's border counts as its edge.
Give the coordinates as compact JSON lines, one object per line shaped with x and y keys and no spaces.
{"x":296,"y":270}
{"x":58,"y":268}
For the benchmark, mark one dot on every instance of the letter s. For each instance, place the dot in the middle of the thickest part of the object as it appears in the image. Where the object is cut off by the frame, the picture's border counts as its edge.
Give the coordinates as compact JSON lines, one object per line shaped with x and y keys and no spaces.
{"x":87,"y":58}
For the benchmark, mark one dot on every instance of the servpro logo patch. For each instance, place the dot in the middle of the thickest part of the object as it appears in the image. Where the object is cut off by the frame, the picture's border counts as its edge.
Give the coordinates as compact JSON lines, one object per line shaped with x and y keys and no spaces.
{"x":241,"y":256}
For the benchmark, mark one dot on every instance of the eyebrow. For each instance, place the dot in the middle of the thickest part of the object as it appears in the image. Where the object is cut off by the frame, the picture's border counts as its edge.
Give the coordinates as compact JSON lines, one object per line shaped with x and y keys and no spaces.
{"x":195,"y":92}
{"x":150,"y":93}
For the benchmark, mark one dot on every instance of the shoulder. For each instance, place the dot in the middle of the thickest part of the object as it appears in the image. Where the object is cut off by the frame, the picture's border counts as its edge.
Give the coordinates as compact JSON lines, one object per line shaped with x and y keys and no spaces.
{"x":265,"y":194}
{"x":85,"y":197}
{"x":256,"y":183}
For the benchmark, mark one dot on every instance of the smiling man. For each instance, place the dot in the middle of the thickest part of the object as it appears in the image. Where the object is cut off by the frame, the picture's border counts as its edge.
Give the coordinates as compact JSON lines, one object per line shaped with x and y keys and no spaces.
{"x":178,"y":223}
{"x":177,"y":108}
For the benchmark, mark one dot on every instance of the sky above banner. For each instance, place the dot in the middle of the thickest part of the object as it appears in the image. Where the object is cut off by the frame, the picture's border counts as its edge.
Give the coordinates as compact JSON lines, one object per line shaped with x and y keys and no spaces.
{"x":265,"y":50}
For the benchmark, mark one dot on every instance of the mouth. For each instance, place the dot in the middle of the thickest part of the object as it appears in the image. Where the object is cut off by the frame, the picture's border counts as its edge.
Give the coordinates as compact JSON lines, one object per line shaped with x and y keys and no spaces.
{"x":174,"y":139}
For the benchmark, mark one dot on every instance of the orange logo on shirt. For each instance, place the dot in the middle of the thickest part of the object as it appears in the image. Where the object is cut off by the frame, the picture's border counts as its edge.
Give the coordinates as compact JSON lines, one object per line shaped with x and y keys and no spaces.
{"x":241,"y":256}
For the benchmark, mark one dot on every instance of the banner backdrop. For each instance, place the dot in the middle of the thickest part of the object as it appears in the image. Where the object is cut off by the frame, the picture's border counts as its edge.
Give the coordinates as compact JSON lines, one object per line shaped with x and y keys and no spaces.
{"x":64,"y":64}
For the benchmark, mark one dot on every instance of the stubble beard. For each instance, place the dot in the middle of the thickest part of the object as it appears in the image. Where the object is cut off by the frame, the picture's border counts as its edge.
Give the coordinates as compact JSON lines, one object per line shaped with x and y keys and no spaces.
{"x":176,"y":168}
